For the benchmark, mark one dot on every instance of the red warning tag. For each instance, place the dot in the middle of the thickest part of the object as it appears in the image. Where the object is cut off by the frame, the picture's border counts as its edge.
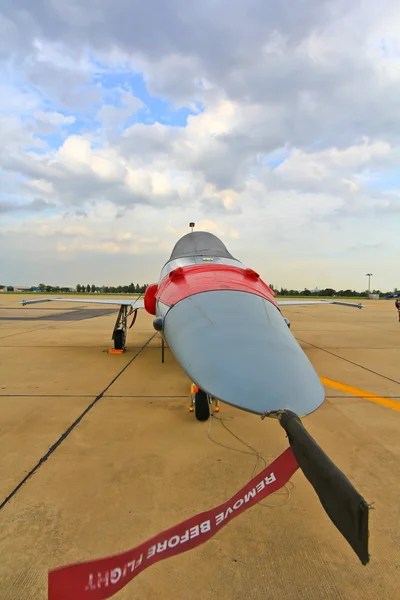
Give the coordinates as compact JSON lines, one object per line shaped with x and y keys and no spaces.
{"x":104,"y":577}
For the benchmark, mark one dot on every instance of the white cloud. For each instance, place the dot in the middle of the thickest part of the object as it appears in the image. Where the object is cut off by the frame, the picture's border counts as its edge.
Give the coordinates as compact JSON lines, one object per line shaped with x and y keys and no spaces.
{"x":54,"y":118}
{"x":113,"y":117}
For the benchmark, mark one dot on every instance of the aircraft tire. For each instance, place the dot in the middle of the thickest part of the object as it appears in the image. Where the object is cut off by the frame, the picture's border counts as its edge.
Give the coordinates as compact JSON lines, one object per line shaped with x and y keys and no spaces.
{"x":201,"y":406}
{"x":119,"y":342}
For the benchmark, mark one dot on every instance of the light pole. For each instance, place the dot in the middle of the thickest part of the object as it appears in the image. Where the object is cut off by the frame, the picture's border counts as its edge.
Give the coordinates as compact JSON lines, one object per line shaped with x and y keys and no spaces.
{"x":369,"y":275}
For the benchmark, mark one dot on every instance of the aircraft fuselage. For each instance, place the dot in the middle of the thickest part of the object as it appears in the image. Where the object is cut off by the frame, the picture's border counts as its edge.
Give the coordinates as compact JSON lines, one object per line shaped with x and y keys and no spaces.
{"x":224,"y":327}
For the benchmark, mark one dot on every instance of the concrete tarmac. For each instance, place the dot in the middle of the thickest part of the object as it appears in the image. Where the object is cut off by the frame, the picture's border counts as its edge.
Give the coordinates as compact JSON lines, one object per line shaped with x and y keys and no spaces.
{"x":138,"y":462}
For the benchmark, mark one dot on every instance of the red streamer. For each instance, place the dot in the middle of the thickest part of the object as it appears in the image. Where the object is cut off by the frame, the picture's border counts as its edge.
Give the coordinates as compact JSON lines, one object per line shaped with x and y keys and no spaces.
{"x":104,"y":577}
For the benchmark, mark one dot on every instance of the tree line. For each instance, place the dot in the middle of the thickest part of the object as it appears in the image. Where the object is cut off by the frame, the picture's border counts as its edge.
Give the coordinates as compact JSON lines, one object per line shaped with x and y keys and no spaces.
{"x":137,"y":288}
{"x":132,"y":288}
{"x":329,"y":292}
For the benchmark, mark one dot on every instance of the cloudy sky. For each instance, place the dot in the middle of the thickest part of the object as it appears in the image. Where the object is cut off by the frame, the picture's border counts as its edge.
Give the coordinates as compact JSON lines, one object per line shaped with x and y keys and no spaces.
{"x":274,"y":125}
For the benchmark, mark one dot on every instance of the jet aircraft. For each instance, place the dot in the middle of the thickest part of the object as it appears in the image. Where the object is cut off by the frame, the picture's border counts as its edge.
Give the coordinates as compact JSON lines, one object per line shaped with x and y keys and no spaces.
{"x":225,"y":328}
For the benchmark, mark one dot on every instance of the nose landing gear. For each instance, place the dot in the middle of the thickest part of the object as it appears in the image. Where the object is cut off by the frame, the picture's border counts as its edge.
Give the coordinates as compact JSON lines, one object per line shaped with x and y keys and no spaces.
{"x":200,"y":403}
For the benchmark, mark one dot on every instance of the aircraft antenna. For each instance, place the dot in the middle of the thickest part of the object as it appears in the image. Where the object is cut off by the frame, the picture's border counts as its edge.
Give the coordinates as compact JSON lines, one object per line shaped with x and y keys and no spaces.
{"x":191,"y":225}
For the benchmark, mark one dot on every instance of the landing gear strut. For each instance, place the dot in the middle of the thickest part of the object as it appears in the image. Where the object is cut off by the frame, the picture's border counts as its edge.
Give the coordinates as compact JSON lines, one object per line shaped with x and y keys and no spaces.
{"x":121,"y":326}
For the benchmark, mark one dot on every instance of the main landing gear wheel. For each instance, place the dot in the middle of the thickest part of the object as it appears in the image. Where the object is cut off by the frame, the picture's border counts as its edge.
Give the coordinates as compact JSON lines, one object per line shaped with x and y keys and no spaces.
{"x":121,"y":327}
{"x":119,"y":339}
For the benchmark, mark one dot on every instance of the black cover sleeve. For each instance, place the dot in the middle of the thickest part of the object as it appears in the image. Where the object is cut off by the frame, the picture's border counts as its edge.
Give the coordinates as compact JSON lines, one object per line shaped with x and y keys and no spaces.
{"x":345,"y":507}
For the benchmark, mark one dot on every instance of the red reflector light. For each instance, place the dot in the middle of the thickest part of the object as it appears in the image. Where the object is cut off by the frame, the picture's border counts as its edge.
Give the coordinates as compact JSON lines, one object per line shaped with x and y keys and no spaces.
{"x":251,"y":274}
{"x":176,"y":273}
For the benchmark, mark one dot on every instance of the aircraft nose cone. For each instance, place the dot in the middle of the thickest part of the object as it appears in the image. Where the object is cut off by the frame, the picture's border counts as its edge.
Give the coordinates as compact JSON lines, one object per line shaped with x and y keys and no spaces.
{"x":237,"y":347}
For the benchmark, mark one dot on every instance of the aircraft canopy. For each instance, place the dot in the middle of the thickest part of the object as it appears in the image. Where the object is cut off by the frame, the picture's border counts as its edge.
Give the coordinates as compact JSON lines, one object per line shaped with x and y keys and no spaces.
{"x":200,"y":243}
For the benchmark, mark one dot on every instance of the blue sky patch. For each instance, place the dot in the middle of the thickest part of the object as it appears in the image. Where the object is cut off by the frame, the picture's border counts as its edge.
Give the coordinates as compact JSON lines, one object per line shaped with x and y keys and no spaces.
{"x":273,"y":159}
{"x":383,"y":181}
{"x":155,"y":109}
{"x":54,"y":140}
{"x":112,"y":84}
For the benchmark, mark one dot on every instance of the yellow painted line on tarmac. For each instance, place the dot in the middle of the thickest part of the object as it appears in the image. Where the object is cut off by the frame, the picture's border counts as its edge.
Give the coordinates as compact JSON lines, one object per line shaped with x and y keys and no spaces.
{"x":336,"y":385}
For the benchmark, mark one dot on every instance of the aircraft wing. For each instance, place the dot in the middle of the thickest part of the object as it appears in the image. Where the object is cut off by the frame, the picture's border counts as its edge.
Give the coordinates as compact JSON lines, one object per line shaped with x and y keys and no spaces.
{"x":301,"y":302}
{"x":133,"y":302}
